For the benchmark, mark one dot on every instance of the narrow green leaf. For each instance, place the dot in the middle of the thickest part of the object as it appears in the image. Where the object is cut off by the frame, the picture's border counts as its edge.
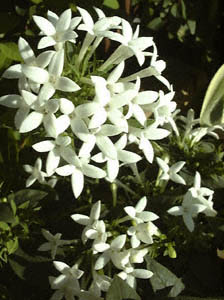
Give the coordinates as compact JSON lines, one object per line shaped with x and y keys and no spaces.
{"x":183,"y":8}
{"x":11,"y":51}
{"x":192,"y":26}
{"x":174,"y":10}
{"x":177,"y":288}
{"x":119,"y":290}
{"x":17,"y":268}
{"x":114,"y":4}
{"x":213,"y":104}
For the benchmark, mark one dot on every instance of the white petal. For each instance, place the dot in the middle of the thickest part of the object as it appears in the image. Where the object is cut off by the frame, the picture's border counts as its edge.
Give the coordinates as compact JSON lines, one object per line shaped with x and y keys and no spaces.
{"x":102,"y":261}
{"x":147,"y":149}
{"x":87,"y":109}
{"x":36,"y":74}
{"x":61,"y":266}
{"x":87,"y":19}
{"x":106,"y":146}
{"x":46,"y":41}
{"x":80,"y":129}
{"x":66,"y":106}
{"x":25,"y":51}
{"x":44,"y":59}
{"x":118,"y":242}
{"x":128,"y":157}
{"x":95,"y":211}
{"x":98,"y":119}
{"x":135,"y":242}
{"x":116,"y":73}
{"x":142,"y":273}
{"x":77,"y":181}
{"x":52,"y":162}
{"x":50,"y":125}
{"x":44,"y":146}
{"x":175,"y":211}
{"x":140,"y":206}
{"x":32,"y":121}
{"x":64,"y":20}
{"x":81,"y":219}
{"x":112,"y":169}
{"x":65,"y":170}
{"x":92,"y":171}
{"x":163,"y":165}
{"x":57,"y":63}
{"x":45,"y":26}
{"x":130,"y":210}
{"x":20,"y":116}
{"x":62,"y":123}
{"x":12,"y":101}
{"x":66,"y":85}
{"x":12,"y":72}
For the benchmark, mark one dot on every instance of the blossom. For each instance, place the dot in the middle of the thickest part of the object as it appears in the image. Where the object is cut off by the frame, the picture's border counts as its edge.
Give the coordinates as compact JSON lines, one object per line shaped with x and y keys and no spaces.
{"x":66,"y":284}
{"x":55,"y":148}
{"x":114,"y":254}
{"x":138,"y":214}
{"x":52,"y":78}
{"x":142,"y":232}
{"x":77,"y":168}
{"x":171,"y":172}
{"x":88,"y":221}
{"x":29,"y":58}
{"x":57,"y":30}
{"x":36,"y":173}
{"x":54,"y":242}
{"x":188,"y":210}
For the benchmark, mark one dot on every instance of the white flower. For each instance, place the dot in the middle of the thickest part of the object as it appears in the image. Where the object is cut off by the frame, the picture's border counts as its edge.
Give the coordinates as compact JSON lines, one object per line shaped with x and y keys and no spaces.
{"x":66,"y":284}
{"x":27,"y":54}
{"x":88,"y":221}
{"x":138,"y":214}
{"x":129,"y":274}
{"x":189,"y":210}
{"x":197,"y":191}
{"x":131,"y":45}
{"x":52,"y":78}
{"x":142,"y":138}
{"x":57,"y":30}
{"x":54,"y":242}
{"x":36,"y":173}
{"x":114,"y":254}
{"x":101,"y":283}
{"x":171,"y":172}
{"x":98,"y":233}
{"x":77,"y":168}
{"x":142,"y":232}
{"x":55,"y":149}
{"x":126,"y":157}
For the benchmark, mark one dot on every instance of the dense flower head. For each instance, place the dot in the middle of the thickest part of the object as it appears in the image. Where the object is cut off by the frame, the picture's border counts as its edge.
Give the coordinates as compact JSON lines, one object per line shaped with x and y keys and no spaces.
{"x":110,"y":119}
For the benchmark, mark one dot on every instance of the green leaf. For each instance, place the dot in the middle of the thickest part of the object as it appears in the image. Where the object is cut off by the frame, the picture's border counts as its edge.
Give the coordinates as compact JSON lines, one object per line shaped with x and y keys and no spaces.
{"x":17,"y":268}
{"x":192,"y":26}
{"x":27,"y":195}
{"x":33,"y":259}
{"x":213,"y":104}
{"x":114,"y":4}
{"x":163,"y":278}
{"x":13,"y":206}
{"x":119,"y":290}
{"x":12,"y":245}
{"x":183,"y":8}
{"x":6,"y":214}
{"x":11,"y":51}
{"x":4,"y":226}
{"x":174,"y":10}
{"x":155,"y":24}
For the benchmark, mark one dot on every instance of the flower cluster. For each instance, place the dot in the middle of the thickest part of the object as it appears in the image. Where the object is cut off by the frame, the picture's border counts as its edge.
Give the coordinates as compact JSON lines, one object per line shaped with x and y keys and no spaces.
{"x":106,"y":249}
{"x":93,"y":136}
